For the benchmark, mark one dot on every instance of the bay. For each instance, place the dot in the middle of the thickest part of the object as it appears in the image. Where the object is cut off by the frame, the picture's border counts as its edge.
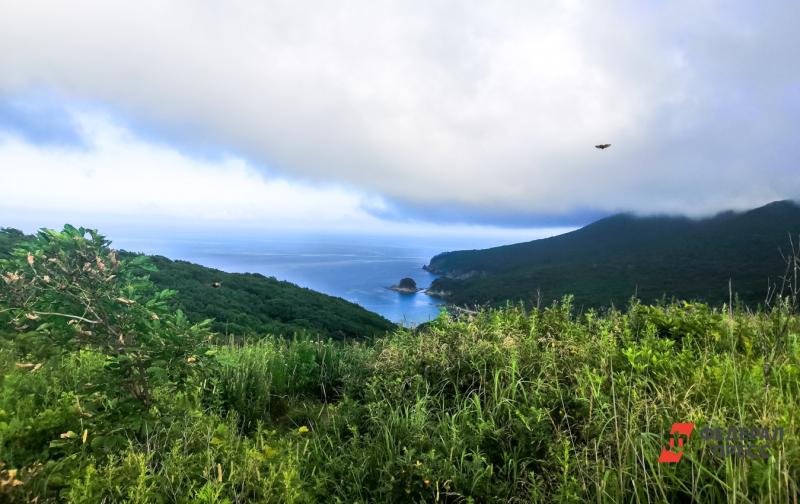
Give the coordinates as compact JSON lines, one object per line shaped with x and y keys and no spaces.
{"x":354,"y":267}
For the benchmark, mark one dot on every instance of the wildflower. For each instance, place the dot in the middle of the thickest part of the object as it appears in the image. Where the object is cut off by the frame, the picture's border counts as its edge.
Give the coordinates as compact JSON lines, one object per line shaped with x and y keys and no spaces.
{"x":10,"y":478}
{"x":303,"y":429}
{"x":191,"y":359}
{"x":10,"y":277}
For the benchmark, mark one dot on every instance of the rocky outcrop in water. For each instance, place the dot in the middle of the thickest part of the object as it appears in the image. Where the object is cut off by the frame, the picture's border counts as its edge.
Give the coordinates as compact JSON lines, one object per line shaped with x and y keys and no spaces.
{"x":406,"y":286}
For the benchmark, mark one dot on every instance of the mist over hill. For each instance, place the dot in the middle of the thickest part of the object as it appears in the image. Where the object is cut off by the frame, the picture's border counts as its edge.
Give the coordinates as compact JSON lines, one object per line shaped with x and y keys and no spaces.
{"x":615,"y":258}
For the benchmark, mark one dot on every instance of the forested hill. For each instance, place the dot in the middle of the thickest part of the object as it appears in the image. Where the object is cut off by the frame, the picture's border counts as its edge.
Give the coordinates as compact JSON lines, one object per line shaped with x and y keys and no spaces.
{"x":250,"y":302}
{"x":245,"y":303}
{"x":614,"y":258}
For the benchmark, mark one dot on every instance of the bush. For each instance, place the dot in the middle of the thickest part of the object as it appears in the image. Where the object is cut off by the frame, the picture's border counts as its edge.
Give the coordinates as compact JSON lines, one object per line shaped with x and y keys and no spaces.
{"x":501,"y":405}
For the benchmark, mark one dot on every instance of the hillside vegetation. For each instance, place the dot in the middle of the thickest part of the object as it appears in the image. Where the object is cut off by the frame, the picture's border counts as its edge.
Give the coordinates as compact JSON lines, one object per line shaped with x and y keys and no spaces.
{"x":618,"y":257}
{"x":252,"y":303}
{"x":10,"y":238}
{"x":246,"y":303}
{"x":108,"y":395}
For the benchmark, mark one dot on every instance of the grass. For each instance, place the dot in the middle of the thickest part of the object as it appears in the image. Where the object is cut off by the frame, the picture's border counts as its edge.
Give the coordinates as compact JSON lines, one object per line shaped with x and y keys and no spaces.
{"x":508,"y":405}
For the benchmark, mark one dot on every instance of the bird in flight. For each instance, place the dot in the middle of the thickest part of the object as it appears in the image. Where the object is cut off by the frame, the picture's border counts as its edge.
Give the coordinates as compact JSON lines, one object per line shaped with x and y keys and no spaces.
{"x":602,"y":146}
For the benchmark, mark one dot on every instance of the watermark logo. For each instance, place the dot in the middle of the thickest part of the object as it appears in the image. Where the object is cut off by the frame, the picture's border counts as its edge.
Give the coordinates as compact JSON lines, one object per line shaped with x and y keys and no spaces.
{"x":742,"y":442}
{"x":673,"y":454}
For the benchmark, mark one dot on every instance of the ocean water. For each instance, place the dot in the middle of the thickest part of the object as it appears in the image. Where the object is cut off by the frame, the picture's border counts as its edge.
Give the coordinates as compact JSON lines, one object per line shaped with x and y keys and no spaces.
{"x":351,"y":269}
{"x":356,"y":268}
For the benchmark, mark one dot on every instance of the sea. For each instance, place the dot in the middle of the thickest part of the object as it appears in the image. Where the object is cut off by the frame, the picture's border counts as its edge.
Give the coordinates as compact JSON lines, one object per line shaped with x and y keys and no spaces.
{"x":356,"y":268}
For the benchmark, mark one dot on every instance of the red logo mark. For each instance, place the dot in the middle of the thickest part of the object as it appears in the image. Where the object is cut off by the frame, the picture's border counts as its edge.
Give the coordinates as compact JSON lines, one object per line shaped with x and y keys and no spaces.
{"x":679,"y":430}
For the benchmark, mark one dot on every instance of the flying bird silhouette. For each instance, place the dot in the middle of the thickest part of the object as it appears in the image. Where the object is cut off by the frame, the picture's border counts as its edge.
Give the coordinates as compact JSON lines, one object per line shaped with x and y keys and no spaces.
{"x":602,"y":146}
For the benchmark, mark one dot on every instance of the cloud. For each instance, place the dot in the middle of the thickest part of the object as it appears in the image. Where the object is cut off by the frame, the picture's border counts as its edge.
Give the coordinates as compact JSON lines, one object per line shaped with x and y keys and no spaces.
{"x":40,"y":119}
{"x":117,"y":173}
{"x":490,"y":107}
{"x":112,"y":178}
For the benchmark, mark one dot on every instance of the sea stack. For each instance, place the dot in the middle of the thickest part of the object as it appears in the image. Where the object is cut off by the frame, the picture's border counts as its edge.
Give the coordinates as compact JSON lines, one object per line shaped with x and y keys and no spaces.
{"x":406,"y":285}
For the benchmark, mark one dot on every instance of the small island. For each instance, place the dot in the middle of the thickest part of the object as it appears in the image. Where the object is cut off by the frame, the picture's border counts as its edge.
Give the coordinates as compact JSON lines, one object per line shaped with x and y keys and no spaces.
{"x":406,"y":286}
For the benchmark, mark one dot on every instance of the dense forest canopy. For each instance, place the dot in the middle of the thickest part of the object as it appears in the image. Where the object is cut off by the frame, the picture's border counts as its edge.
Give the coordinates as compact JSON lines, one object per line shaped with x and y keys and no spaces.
{"x":251,"y":302}
{"x":613,"y":259}
{"x":245,"y":303}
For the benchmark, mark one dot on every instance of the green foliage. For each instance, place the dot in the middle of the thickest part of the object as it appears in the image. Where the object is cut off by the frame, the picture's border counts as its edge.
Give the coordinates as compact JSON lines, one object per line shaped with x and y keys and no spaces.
{"x":259,"y":381}
{"x":243,"y":304}
{"x":71,"y":288}
{"x":250,"y":303}
{"x":607,"y":262}
{"x":9,"y":238}
{"x":97,"y":349}
{"x":503,"y":405}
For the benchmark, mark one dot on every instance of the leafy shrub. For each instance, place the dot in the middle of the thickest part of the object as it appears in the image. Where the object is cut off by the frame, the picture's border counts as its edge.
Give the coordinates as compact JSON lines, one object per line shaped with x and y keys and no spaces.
{"x":501,"y":405}
{"x":71,"y":287}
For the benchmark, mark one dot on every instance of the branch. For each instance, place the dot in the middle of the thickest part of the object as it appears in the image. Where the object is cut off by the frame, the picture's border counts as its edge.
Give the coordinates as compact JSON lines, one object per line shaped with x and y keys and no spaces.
{"x":68,"y":316}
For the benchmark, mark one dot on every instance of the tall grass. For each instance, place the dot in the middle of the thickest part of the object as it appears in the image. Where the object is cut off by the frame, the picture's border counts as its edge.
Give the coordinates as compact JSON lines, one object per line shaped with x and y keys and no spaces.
{"x":262,"y":381}
{"x":507,"y":405}
{"x":545,"y":406}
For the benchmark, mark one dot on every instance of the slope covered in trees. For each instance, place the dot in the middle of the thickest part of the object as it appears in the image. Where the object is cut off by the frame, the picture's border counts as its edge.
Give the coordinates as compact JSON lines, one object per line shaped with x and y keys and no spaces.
{"x":615,"y":258}
{"x":250,"y":302}
{"x":107,"y":395}
{"x":245,"y":303}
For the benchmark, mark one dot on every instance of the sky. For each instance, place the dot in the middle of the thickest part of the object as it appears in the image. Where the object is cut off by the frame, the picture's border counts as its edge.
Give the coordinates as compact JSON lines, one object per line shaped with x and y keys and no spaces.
{"x":413,"y":117}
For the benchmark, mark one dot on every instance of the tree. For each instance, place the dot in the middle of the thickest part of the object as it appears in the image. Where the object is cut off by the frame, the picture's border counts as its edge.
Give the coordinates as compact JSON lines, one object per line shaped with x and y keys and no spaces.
{"x":72,"y":288}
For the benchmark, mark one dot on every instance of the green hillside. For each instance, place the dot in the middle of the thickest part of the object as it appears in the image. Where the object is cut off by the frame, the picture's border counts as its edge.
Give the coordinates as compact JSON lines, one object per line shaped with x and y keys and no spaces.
{"x":614,"y":258}
{"x":246,"y":303}
{"x":10,"y":238}
{"x":108,"y":395}
{"x":250,"y":302}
